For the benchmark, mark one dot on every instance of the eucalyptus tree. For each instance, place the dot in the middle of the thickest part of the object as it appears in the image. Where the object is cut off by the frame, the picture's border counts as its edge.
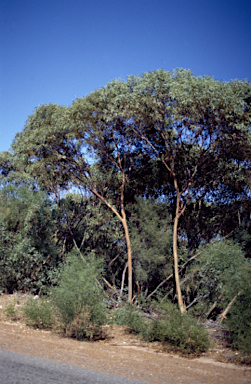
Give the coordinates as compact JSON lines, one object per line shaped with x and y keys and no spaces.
{"x":107,"y":151}
{"x":42,"y":147}
{"x":198,"y":128}
{"x":12,"y":171}
{"x":6,"y":165}
{"x":195,"y":127}
{"x":87,"y":146}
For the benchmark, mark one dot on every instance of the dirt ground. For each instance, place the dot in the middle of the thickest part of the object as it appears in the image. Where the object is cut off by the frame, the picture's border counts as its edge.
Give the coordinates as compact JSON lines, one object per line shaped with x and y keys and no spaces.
{"x":122,"y":353}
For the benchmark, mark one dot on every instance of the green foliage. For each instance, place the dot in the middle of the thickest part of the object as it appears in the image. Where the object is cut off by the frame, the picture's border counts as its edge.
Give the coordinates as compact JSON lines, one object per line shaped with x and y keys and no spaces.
{"x":39,"y":312}
{"x":151,"y":237}
{"x":13,"y":172}
{"x":169,"y":326}
{"x":217,"y":270}
{"x":93,"y":228}
{"x":239,"y":318}
{"x":179,"y":331}
{"x":222,"y":269}
{"x":172,"y":136}
{"x":78,"y":298}
{"x":29,"y":258}
{"x":131,"y":317}
{"x":40,"y":129}
{"x":243,"y":233}
{"x":197,"y":128}
{"x":10,"y":311}
{"x":24,"y":270}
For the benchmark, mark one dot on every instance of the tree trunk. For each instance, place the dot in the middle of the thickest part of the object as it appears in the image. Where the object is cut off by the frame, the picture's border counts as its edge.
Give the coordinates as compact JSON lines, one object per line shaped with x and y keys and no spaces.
{"x":182,"y":307}
{"x":127,"y":236}
{"x":123,"y":220}
{"x":129,"y":257}
{"x":170,"y":276}
{"x":214,"y":305}
{"x":225,"y":312}
{"x":123,"y":279}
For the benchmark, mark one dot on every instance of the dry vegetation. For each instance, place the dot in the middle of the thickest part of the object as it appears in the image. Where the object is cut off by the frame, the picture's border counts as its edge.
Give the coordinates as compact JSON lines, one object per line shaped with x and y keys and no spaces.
{"x":116,"y":335}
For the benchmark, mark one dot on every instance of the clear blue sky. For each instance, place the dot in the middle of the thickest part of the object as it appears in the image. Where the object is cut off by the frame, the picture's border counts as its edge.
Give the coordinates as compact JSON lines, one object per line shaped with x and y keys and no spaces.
{"x":52,"y":51}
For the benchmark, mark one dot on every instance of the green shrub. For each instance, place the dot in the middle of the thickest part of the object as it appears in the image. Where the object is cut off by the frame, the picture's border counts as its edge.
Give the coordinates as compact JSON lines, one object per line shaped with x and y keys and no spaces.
{"x":171,"y":327}
{"x":38,"y":312}
{"x":239,"y":322}
{"x":218,"y":269}
{"x":29,"y":257}
{"x":132,"y":318}
{"x":10,"y":311}
{"x":180,"y":331}
{"x":78,"y":299}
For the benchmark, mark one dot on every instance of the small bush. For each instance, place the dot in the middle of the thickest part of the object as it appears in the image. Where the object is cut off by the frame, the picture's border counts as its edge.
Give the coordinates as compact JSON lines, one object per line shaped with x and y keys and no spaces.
{"x":130,"y":317}
{"x":78,"y":299}
{"x":86,"y":324}
{"x":38,"y":312}
{"x":10,"y":311}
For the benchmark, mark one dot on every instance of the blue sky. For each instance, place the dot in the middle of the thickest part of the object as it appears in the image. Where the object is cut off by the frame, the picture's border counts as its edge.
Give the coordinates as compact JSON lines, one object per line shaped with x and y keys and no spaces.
{"x":53,"y":51}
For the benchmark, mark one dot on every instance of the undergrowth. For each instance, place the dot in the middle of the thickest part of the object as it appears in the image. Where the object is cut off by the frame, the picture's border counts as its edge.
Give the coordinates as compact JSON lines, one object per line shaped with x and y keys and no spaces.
{"x":170,"y":327}
{"x":38,"y":312}
{"x":78,"y":299}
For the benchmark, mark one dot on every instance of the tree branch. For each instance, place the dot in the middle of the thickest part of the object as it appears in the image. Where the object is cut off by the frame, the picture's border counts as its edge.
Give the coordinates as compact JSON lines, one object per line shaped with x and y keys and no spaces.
{"x":170,"y":276}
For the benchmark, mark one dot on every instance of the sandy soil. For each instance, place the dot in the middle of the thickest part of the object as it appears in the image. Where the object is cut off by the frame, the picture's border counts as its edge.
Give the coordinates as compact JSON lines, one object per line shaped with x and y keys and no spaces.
{"x":121,"y":354}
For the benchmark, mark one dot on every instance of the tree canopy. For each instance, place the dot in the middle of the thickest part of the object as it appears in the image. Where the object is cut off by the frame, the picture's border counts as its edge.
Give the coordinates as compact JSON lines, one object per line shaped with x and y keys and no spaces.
{"x":170,"y":135}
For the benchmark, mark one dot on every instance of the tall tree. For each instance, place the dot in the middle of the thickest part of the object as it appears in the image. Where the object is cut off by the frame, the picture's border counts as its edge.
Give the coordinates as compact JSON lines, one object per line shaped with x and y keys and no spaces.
{"x":88,"y":146}
{"x":197,"y":127}
{"x":98,"y":123}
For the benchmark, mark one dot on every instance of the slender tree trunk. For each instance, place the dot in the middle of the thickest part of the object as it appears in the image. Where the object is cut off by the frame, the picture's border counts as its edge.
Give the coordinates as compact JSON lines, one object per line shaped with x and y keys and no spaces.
{"x":170,"y":276}
{"x":129,"y":257}
{"x":127,"y":236}
{"x":182,"y":307}
{"x":225,"y":312}
{"x":123,"y":220}
{"x":214,"y":304}
{"x":123,"y":279}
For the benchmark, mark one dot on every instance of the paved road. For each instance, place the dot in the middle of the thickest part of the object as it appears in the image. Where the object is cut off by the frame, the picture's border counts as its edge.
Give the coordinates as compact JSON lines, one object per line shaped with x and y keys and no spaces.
{"x":16,"y":368}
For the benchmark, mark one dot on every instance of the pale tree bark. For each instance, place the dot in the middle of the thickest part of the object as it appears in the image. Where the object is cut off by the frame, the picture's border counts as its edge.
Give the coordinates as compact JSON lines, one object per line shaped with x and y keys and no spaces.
{"x":128,"y":241}
{"x":214,"y":305}
{"x":129,"y":259}
{"x":123,"y":220}
{"x":178,"y":213}
{"x":170,"y":276}
{"x":225,"y":312}
{"x":123,"y":279}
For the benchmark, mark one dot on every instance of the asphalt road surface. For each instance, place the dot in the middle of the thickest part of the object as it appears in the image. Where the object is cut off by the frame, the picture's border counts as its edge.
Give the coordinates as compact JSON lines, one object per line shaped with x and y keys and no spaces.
{"x":16,"y":368}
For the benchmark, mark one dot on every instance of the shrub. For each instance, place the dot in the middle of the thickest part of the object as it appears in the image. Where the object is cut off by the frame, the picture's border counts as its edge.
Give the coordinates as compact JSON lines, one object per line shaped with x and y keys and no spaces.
{"x":10,"y":311}
{"x":218,"y":270}
{"x":239,"y":322}
{"x":38,"y":312}
{"x":78,"y":299}
{"x":29,"y":257}
{"x":132,"y":318}
{"x":180,"y":331}
{"x":171,"y":327}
